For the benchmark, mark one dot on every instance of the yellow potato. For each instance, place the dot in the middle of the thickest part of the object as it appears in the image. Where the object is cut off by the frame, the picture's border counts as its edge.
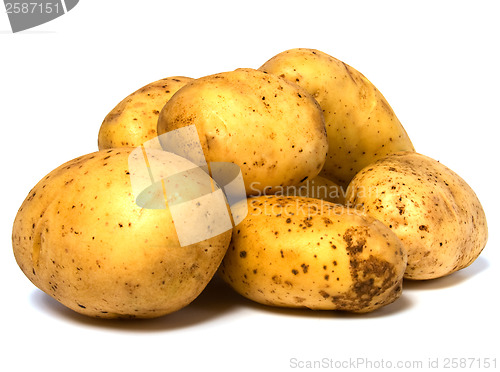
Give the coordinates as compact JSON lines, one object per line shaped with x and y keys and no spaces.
{"x":134,"y":120}
{"x":80,"y":237}
{"x":360,"y":124}
{"x":272,"y":129}
{"x":302,"y":252}
{"x":431,"y":209}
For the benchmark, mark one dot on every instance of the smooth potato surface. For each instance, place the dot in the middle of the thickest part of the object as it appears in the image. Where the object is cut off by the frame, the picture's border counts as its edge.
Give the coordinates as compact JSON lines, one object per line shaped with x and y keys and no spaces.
{"x":134,"y":120}
{"x":272,"y":129}
{"x":431,"y":209}
{"x":308,"y":253}
{"x":360,"y":124}
{"x":80,"y":237}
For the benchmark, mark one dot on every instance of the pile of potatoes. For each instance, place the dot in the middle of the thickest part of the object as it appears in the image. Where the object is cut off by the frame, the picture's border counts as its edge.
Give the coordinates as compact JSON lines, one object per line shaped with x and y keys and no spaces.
{"x":340,"y":207}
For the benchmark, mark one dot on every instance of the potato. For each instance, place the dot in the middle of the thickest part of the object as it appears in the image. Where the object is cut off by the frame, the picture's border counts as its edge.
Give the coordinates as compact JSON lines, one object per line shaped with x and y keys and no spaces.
{"x":308,"y":253}
{"x":272,"y":129}
{"x":134,"y":120}
{"x":81,"y":237}
{"x":360,"y":124}
{"x":431,"y":209}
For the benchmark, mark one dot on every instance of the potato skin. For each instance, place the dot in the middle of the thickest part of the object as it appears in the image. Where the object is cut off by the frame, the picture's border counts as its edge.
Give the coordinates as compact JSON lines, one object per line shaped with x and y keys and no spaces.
{"x":360,"y":124}
{"x":80,"y":237}
{"x":134,"y":120}
{"x":308,"y":253}
{"x":272,"y":129}
{"x":431,"y":209}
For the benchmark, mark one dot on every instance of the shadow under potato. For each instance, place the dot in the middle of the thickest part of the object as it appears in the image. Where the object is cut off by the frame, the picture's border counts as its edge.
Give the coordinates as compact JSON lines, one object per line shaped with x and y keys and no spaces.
{"x":216,"y":301}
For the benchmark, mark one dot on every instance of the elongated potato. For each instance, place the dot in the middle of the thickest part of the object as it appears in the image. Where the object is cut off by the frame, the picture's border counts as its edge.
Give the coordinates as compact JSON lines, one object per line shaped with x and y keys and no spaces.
{"x":430,"y":208}
{"x":134,"y":120}
{"x":302,"y":252}
{"x":81,"y":237}
{"x":360,"y":124}
{"x":272,"y":129}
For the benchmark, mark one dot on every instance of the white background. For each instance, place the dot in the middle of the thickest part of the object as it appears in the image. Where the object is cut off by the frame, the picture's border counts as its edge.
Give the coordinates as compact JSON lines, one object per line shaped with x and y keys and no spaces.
{"x":437,"y":63}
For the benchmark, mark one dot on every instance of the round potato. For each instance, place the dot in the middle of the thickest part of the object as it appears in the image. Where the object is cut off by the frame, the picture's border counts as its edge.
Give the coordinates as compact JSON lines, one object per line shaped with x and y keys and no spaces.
{"x":81,"y":237}
{"x":308,"y":253}
{"x":134,"y":120}
{"x":360,"y":124}
{"x":431,"y":209}
{"x":272,"y":129}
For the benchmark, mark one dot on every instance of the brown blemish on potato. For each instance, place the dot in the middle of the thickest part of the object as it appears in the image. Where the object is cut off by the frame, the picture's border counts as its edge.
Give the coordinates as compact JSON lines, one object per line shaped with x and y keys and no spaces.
{"x":355,"y":237}
{"x":370,"y":277}
{"x":307,"y":221}
{"x":324,"y":294}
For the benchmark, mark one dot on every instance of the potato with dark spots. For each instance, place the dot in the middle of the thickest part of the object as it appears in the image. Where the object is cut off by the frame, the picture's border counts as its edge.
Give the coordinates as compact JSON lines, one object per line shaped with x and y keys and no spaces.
{"x":360,"y":124}
{"x":134,"y":120}
{"x":309,"y":253}
{"x":429,"y":207}
{"x":81,"y":237}
{"x":272,"y":129}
